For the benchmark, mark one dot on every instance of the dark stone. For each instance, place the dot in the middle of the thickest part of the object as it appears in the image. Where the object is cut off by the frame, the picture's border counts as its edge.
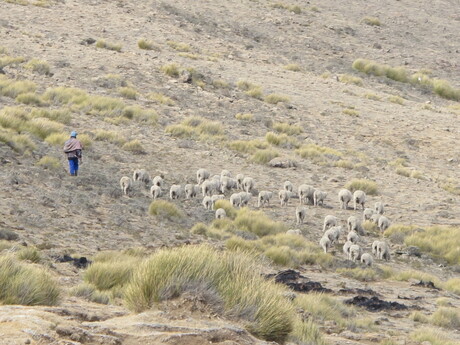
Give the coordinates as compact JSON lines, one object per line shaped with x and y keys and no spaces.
{"x":358,"y":291}
{"x":427,"y":284}
{"x":297,"y":282}
{"x":81,"y":262}
{"x":88,"y":41}
{"x":375,"y":304}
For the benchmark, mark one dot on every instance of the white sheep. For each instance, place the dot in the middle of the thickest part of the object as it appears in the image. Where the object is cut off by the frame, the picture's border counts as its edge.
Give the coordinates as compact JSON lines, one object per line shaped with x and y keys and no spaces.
{"x":239,"y":181}
{"x":375,"y":218}
{"x":353,"y":237}
{"x":220,"y":213}
{"x":367,"y":214}
{"x":355,"y":252}
{"x":378,"y":207}
{"x":283,"y":196}
{"x":344,"y":198}
{"x":383,"y":251}
{"x":207,"y":202}
{"x":296,"y":232}
{"x":248,"y":184}
{"x":202,"y":175}
{"x":207,"y":187}
{"x":175,"y":191}
{"x":235,"y":199}
{"x":288,"y":186}
{"x":367,"y":259}
{"x":329,"y":222}
{"x":264,"y":198}
{"x":126,"y":185}
{"x":216,"y":197}
{"x":359,"y":198}
{"x":346,"y":248}
{"x":318,"y":197}
{"x":225,"y":173}
{"x":325,"y":243}
{"x":333,"y":233}
{"x":245,"y":198}
{"x":383,"y":223}
{"x":215,"y":179}
{"x":300,"y":213}
{"x":352,"y":223}
{"x":141,"y":175}
{"x":374,"y":247}
{"x":306,"y":193}
{"x":189,"y":191}
{"x":227,"y":183}
{"x":155,"y":192}
{"x":158,"y":181}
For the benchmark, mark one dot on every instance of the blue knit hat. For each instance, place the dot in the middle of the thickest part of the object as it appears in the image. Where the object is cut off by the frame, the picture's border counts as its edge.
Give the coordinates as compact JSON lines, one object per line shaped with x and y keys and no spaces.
{"x":73,"y":134}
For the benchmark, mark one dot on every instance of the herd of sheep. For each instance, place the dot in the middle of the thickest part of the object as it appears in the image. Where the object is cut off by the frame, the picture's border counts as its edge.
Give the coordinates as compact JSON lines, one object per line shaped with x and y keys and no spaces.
{"x":215,"y":187}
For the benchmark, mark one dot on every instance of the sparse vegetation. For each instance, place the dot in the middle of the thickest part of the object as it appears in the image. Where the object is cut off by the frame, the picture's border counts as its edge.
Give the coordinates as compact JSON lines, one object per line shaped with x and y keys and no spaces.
{"x":369,"y":187}
{"x":292,"y":8}
{"x":283,"y":127}
{"x":274,"y":98}
{"x":244,"y":116}
{"x":10,"y":60}
{"x":433,"y":336}
{"x":145,"y":44}
{"x":110,"y":136}
{"x":349,"y":79}
{"x":13,"y":88}
{"x":38,"y":66}
{"x":181,"y":47}
{"x":165,"y":209}
{"x":350,"y":112}
{"x":108,"y":45}
{"x":160,"y":98}
{"x":319,"y":154}
{"x":134,"y":146}
{"x":293,"y":67}
{"x":48,"y":162}
{"x":171,"y":70}
{"x":264,"y":156}
{"x":128,"y":92}
{"x":197,"y":128}
{"x":30,"y":254}
{"x":396,"y":99}
{"x":373,"y":21}
{"x":358,"y":273}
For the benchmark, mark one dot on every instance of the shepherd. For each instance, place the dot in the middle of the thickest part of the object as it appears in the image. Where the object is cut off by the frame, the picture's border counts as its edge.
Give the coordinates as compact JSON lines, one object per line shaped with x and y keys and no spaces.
{"x":73,"y":148}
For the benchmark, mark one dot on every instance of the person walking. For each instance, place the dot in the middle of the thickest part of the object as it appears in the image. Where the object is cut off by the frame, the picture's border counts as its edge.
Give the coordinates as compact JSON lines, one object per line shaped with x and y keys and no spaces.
{"x":73,"y":148}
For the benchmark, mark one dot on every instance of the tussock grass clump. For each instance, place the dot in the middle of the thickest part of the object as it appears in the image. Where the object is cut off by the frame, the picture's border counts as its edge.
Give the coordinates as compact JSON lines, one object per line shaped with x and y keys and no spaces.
{"x":381,"y":70}
{"x":110,"y":136}
{"x":234,"y":278}
{"x":445,"y":90}
{"x":255,"y":93}
{"x":62,"y":115}
{"x":282,"y":140}
{"x":244,"y":116}
{"x":264,"y":156}
{"x":403,"y":171}
{"x":292,"y":8}
{"x":446,"y":317}
{"x":25,"y":284}
{"x":29,"y":254}
{"x":43,"y":127}
{"x":368,"y":186}
{"x":349,"y":79}
{"x":197,"y":128}
{"x":13,"y":88}
{"x":283,"y":127}
{"x":274,"y":98}
{"x":220,"y":84}
{"x":250,"y":89}
{"x":319,"y":154}
{"x":111,"y":270}
{"x":171,"y":70}
{"x":350,"y":112}
{"x":396,"y":100}
{"x":372,"y":96}
{"x":160,"y":98}
{"x":438,"y":241}
{"x":20,"y":143}
{"x":134,"y":146}
{"x":433,"y":336}
{"x":306,"y":332}
{"x":128,"y":92}
{"x":139,"y":114}
{"x":145,"y":44}
{"x":293,"y":67}
{"x":108,"y":45}
{"x":258,"y":223}
{"x":48,"y":162}
{"x":248,"y":146}
{"x":10,"y":60}
{"x":101,"y":106}
{"x":344,"y":163}
{"x":31,"y":98}
{"x":358,"y":273}
{"x":111,"y":81}
{"x":180,"y":47}
{"x":199,"y":229}
{"x":398,"y":232}
{"x":38,"y":66}
{"x":373,"y":21}
{"x":165,"y":209}
{"x":57,"y":139}
{"x":90,"y":293}
{"x":189,"y":56}
{"x":65,"y":95}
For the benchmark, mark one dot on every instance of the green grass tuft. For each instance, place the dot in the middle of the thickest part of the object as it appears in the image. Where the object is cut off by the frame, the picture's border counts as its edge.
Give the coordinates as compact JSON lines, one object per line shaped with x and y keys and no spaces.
{"x":373,"y":21}
{"x":38,"y":66}
{"x":145,"y":44}
{"x":108,"y":45}
{"x":165,"y":209}
{"x":369,"y":187}
{"x":134,"y":146}
{"x":349,"y":79}
{"x":128,"y":92}
{"x":48,"y":162}
{"x":274,"y":98}
{"x":264,"y":156}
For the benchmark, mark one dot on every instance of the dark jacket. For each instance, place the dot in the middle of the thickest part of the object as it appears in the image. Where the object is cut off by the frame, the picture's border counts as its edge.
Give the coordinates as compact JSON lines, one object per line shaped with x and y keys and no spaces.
{"x":73,"y":148}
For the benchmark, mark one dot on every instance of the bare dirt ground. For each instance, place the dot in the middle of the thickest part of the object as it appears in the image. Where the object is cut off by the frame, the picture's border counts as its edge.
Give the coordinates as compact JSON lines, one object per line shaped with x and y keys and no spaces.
{"x":233,"y":40}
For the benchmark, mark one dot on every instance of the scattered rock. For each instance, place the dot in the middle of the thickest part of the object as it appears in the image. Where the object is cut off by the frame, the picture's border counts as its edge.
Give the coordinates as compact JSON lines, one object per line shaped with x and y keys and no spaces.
{"x":280,"y":162}
{"x":358,"y":291}
{"x":186,"y":77}
{"x":81,"y":262}
{"x":8,"y":235}
{"x":375,"y":304}
{"x":88,"y":41}
{"x":297,"y":282}
{"x":427,"y":284}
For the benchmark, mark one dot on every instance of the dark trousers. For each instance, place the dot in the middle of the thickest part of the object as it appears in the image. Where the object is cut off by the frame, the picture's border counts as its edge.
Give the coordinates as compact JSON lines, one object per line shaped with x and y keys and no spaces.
{"x":73,"y":166}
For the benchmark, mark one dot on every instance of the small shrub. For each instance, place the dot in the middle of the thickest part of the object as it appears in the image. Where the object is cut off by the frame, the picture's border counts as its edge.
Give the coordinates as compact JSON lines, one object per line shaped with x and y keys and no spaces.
{"x":134,"y":146}
{"x":160,"y":98}
{"x":43,"y":127}
{"x":373,"y":21}
{"x":128,"y":92}
{"x":171,"y":70}
{"x":181,"y":47}
{"x":396,"y":99}
{"x":292,"y":67}
{"x":164,"y":209}
{"x":57,"y":139}
{"x":110,"y":136}
{"x":244,"y":116}
{"x":29,"y":254}
{"x":264,"y":156}
{"x":108,"y":45}
{"x":199,"y":229}
{"x":446,"y":317}
{"x":255,"y":93}
{"x":349,"y":79}
{"x":283,"y":127}
{"x":31,"y":98}
{"x":445,"y":90}
{"x":38,"y":66}
{"x":220,"y":84}
{"x":274,"y":98}
{"x":369,"y":187}
{"x":25,"y":284}
{"x":247,"y":146}
{"x":145,"y":44}
{"x":403,"y":171}
{"x":48,"y":162}
{"x":350,"y":112}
